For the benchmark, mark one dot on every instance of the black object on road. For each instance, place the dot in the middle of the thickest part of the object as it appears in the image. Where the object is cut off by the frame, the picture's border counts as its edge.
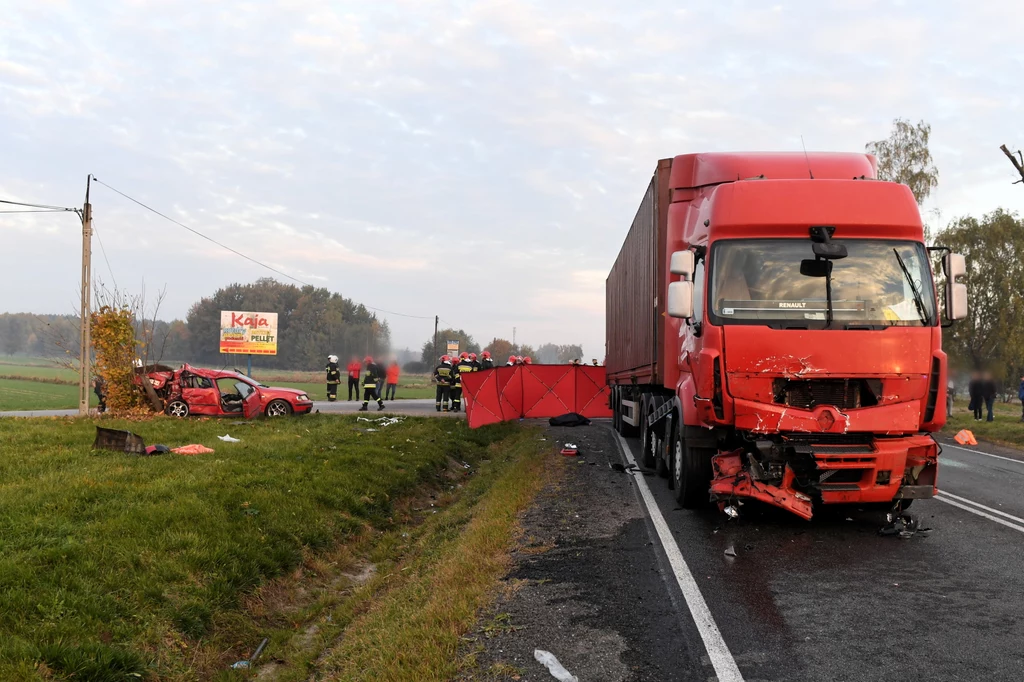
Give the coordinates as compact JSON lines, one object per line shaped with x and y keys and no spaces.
{"x":569,"y":419}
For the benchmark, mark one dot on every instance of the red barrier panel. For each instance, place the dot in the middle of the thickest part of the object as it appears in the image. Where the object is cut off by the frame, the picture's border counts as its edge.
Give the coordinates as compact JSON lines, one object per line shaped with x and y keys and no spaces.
{"x":592,"y":392}
{"x":483,"y":408}
{"x":532,"y":391}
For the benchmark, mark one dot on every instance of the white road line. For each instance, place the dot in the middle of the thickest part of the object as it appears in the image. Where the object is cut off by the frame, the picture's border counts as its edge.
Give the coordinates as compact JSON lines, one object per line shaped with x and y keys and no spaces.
{"x":981,"y":506}
{"x":721,"y":658}
{"x":979,"y":452}
{"x":943,"y":498}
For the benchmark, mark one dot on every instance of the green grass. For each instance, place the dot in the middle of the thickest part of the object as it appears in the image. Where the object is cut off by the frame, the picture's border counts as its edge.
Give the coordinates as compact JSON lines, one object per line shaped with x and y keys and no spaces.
{"x":114,"y":565}
{"x":1007,"y":427}
{"x":18,"y":394}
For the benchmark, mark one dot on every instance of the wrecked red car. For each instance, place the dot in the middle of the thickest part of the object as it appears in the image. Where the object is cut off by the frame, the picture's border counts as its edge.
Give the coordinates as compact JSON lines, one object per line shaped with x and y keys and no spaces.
{"x":212,"y":392}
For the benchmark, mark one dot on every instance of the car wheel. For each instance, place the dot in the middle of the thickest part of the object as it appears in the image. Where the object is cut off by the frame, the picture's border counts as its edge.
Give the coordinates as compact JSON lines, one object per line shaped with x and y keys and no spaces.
{"x":278,"y":408}
{"x":691,"y":473}
{"x":177,"y":408}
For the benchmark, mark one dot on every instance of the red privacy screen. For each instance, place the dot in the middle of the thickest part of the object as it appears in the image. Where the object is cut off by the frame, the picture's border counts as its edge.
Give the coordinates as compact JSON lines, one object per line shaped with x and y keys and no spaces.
{"x":530,"y":391}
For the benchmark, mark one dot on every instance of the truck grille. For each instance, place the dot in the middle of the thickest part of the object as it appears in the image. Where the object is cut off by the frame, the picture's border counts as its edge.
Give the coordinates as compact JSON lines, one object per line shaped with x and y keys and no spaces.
{"x":844,"y":394}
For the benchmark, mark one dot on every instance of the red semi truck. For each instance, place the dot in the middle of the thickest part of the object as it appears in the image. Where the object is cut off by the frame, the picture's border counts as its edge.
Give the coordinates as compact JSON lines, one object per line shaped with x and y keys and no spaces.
{"x":774,"y":332}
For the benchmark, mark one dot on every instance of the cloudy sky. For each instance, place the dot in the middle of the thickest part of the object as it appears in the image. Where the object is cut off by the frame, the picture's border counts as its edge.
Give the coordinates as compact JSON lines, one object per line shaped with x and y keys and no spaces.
{"x":480,"y":160}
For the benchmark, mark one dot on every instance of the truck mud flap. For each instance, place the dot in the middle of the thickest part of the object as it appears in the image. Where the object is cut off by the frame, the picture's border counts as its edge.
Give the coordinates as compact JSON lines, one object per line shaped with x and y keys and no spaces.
{"x":731,"y":481}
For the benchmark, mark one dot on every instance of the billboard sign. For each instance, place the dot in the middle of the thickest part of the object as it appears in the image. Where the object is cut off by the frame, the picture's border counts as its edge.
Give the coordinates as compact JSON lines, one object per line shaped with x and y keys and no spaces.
{"x":248,"y":333}
{"x":453,"y":347}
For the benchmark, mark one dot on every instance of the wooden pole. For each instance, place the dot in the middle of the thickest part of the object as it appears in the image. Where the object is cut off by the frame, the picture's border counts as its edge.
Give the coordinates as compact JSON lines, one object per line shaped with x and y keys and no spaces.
{"x":85,"y":337}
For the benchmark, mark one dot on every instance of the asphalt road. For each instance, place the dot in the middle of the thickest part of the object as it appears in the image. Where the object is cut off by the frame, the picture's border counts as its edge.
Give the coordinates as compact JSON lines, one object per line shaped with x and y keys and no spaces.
{"x":414,"y":407}
{"x":828,"y":599}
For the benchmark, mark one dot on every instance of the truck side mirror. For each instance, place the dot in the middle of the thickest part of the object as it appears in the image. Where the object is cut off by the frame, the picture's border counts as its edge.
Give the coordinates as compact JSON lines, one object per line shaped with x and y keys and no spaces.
{"x":955,"y":266}
{"x":682,"y":263}
{"x":680,"y":299}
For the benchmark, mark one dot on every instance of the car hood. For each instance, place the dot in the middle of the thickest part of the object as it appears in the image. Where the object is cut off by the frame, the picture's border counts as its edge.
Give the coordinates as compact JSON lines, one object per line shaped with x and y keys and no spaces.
{"x":280,"y":392}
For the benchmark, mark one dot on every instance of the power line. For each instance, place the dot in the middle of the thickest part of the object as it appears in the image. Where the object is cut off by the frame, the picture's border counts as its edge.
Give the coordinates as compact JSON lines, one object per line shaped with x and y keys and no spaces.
{"x":36,"y":210}
{"x":239,"y":253}
{"x":51,"y":208}
{"x":104,"y":252}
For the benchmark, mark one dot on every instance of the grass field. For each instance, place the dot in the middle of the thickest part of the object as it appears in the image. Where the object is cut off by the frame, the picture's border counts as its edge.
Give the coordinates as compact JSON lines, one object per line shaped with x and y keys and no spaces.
{"x":1006,"y":428}
{"x":119,"y":567}
{"x":38,"y":384}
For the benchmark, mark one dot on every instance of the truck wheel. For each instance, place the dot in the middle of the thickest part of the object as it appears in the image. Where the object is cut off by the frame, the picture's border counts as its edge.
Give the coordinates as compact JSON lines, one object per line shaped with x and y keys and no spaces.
{"x":278,"y":408}
{"x":661,"y":462}
{"x":616,"y":414}
{"x":691,"y":473}
{"x":177,"y":408}
{"x":648,"y":439}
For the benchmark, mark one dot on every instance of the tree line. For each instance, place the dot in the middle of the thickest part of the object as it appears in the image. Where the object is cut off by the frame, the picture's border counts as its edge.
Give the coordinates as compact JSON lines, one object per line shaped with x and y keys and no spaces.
{"x":312,"y":322}
{"x":992,"y":336}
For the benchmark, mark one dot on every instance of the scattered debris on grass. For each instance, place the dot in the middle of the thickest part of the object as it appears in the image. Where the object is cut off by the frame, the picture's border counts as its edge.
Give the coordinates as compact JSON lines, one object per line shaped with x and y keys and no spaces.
{"x":381,"y":421}
{"x":118,"y":441}
{"x":228,"y":439}
{"x":243,"y":665}
{"x":194,"y":449}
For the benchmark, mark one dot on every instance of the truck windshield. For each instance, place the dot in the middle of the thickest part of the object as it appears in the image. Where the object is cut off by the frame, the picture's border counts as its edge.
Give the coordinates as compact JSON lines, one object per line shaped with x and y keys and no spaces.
{"x":880,"y":283}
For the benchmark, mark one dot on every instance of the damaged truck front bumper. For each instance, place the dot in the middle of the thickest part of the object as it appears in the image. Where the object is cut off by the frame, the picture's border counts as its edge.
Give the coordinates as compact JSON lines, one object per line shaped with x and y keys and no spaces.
{"x":795,"y":473}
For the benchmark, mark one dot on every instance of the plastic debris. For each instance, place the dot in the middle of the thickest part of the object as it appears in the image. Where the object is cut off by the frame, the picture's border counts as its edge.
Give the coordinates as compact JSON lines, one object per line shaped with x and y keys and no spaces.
{"x":903,"y":525}
{"x":382,"y":421}
{"x":245,"y":665}
{"x":617,"y":467}
{"x":570,"y":450}
{"x":228,"y":439}
{"x":547,"y":659}
{"x":193,"y":449}
{"x":732,"y":511}
{"x":157,"y":450}
{"x":118,"y":441}
{"x":730,"y":551}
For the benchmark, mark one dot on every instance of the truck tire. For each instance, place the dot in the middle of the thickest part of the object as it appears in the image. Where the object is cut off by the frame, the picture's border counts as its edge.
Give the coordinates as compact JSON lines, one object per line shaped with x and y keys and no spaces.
{"x":691,"y":473}
{"x":662,"y":462}
{"x":616,"y":412}
{"x":648,"y":438}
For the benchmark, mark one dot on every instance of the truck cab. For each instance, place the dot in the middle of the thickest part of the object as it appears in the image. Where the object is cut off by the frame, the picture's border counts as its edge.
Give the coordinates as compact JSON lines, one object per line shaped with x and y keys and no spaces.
{"x":806,"y":327}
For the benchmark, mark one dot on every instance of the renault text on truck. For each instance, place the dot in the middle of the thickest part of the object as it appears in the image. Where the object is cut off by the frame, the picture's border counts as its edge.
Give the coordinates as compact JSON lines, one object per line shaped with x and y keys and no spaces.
{"x":774,"y":331}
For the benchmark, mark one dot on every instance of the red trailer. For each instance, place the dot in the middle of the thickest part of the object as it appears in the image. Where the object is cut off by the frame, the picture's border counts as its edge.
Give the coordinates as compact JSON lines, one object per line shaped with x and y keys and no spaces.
{"x":774,"y":332}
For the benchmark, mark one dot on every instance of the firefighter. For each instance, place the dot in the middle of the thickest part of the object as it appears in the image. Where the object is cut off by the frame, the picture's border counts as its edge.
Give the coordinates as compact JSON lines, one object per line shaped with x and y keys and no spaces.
{"x":463,"y":367}
{"x":511,"y":361}
{"x":333,"y":378}
{"x":527,"y":360}
{"x":486,"y":362}
{"x":371,"y":379}
{"x":443,"y":378}
{"x":473,"y":361}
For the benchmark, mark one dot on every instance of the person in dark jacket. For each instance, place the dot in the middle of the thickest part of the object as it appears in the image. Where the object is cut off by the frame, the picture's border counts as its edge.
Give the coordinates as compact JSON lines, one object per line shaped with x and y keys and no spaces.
{"x":99,"y":387}
{"x":464,"y":366}
{"x":974,"y":392}
{"x":443,"y":375}
{"x":1020,"y":396}
{"x":333,"y":378}
{"x":486,"y":362}
{"x":988,"y":392}
{"x":371,"y":379}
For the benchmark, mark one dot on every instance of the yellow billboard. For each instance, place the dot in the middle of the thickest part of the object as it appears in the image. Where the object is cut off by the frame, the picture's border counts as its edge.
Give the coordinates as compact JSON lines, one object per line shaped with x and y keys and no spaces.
{"x":246,"y":333}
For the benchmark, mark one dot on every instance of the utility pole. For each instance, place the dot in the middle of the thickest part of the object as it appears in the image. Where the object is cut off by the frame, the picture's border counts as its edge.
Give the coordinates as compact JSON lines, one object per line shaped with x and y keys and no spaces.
{"x":85,"y":337}
{"x":1016,"y":161}
{"x":437,"y":318}
{"x":513,"y":337}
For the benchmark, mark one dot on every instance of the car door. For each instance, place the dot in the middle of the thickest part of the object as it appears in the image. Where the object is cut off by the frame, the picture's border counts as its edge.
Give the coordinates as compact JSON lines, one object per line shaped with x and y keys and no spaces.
{"x":201,"y":394}
{"x":250,"y":399}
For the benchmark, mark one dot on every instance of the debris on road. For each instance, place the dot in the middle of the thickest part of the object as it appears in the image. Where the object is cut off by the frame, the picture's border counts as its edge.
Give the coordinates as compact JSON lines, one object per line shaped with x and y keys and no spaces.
{"x":548,"y":659}
{"x":903,"y":525}
{"x":228,"y":439}
{"x":730,"y":551}
{"x":569,"y":419}
{"x":965,"y":437}
{"x":732,"y":511}
{"x":570,"y":450}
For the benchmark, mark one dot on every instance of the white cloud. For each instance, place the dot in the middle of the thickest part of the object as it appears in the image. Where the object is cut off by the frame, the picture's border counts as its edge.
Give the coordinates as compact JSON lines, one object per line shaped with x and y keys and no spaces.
{"x":478,"y":160}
